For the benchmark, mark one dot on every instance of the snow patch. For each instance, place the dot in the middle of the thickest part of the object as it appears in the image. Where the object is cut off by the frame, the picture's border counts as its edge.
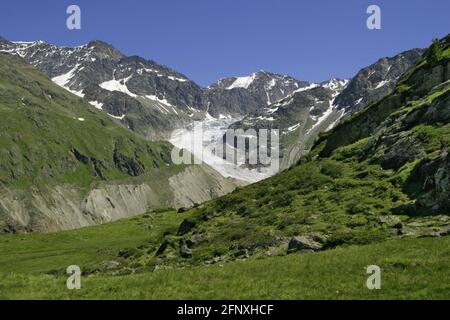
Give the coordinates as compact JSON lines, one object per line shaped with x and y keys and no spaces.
{"x":294,"y":127}
{"x":64,"y":79}
{"x":242,"y":82}
{"x":97,"y":105}
{"x":116,"y":117}
{"x":118,"y":85}
{"x":381,"y":84}
{"x":335,"y":122}
{"x":323,"y":117}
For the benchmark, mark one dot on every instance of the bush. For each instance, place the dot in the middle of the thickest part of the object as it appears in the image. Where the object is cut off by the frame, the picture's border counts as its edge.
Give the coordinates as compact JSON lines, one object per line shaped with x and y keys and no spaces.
{"x":332,"y":168}
{"x":434,"y":53}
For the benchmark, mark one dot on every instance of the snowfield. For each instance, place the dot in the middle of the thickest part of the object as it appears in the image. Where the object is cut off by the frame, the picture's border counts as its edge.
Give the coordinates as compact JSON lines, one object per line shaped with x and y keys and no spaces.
{"x":203,"y":146}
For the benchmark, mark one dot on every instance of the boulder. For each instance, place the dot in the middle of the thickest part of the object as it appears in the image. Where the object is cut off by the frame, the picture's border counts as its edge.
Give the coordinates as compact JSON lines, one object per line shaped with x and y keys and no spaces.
{"x":185,"y":227}
{"x":390,"y":221}
{"x":162,"y":248}
{"x":303,"y":244}
{"x":242,"y":254}
{"x":108,"y":265}
{"x":445,"y":231}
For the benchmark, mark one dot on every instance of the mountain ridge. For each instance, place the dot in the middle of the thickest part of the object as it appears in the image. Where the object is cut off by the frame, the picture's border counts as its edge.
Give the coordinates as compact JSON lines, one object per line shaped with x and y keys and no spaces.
{"x":65,"y":164}
{"x":145,"y":96}
{"x":307,"y":112}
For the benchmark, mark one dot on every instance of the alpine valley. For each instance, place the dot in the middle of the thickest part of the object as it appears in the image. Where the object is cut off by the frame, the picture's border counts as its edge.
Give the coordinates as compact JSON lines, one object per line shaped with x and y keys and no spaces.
{"x":86,"y":178}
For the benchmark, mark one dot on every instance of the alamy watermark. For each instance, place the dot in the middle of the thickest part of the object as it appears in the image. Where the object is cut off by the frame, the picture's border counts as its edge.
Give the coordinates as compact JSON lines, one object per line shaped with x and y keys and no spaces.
{"x":74,"y":280}
{"x":73,"y":22}
{"x":374,"y":280}
{"x":374,"y":20}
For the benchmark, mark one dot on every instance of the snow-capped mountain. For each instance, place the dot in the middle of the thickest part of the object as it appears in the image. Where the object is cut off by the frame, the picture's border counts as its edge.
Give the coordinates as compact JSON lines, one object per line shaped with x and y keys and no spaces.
{"x":147,"y":97}
{"x":315,"y":108}
{"x":154,"y":100}
{"x":242,"y":95}
{"x":376,"y":81}
{"x":300,"y":117}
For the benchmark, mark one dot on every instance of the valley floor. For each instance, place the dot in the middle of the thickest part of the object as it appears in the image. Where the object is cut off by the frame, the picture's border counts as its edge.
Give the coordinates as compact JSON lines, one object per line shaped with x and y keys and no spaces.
{"x":33,"y":267}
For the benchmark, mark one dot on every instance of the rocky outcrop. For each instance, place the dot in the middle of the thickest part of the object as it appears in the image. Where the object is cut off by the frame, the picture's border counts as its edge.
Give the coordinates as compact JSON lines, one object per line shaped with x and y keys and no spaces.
{"x":434,"y":178}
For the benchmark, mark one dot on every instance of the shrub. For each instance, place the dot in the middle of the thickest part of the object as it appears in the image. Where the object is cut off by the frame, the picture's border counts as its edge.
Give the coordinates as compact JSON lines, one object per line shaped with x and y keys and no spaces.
{"x":332,"y":168}
{"x":434,"y":53}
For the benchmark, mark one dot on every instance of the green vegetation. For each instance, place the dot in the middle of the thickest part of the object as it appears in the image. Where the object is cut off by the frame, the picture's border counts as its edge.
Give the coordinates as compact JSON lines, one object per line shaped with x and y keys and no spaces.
{"x":411,"y":269}
{"x":364,"y":195}
{"x":86,"y":247}
{"x":434,"y":53}
{"x":372,"y":178}
{"x":49,"y":136}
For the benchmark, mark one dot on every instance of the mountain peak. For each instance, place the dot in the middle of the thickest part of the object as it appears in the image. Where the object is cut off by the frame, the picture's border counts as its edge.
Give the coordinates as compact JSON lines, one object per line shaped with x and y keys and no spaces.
{"x":99,"y":43}
{"x":104,"y":48}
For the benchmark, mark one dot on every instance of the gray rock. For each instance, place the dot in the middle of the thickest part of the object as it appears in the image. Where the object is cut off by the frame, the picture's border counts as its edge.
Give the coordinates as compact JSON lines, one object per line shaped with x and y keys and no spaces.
{"x":108,"y":265}
{"x":185,"y":252}
{"x":185,"y":227}
{"x":303,"y":244}
{"x":242,"y":253}
{"x":263,"y":88}
{"x":390,"y":221}
{"x":445,"y":231}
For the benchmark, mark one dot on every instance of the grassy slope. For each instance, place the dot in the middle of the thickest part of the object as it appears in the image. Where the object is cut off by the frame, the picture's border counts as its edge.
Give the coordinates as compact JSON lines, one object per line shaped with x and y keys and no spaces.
{"x":87,"y":247}
{"x":339,"y":196}
{"x":411,"y":268}
{"x":339,"y":191}
{"x":33,"y":265}
{"x":40,"y":130}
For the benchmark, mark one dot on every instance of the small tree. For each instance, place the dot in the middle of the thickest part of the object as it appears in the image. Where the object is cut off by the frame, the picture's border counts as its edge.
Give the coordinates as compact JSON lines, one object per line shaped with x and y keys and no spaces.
{"x":434,"y":53}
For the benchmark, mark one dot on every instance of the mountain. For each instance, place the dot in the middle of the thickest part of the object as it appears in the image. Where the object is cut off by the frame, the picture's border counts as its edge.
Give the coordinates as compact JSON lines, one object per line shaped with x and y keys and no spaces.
{"x":148,"y":98}
{"x":300,"y":117}
{"x":376,"y":81}
{"x":241,"y":95}
{"x":65,"y":164}
{"x":381,"y":174}
{"x":316,"y":108}
{"x":373,"y":190}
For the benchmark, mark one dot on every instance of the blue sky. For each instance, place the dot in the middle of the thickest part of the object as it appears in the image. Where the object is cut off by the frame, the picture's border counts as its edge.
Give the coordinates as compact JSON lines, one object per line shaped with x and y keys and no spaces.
{"x":209,"y":39}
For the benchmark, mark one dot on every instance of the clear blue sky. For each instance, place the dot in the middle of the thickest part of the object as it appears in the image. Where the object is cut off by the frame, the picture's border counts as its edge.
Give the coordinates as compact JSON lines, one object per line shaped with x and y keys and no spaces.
{"x":209,"y":39}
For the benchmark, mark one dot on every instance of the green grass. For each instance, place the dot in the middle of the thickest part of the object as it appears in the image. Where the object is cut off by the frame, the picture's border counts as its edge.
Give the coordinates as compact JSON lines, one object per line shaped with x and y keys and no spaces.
{"x":411,"y":269}
{"x":339,"y":193}
{"x":51,"y":252}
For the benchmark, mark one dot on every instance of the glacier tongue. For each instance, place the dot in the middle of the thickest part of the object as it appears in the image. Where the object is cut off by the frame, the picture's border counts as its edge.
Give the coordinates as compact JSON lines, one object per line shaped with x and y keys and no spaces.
{"x":203,"y":146}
